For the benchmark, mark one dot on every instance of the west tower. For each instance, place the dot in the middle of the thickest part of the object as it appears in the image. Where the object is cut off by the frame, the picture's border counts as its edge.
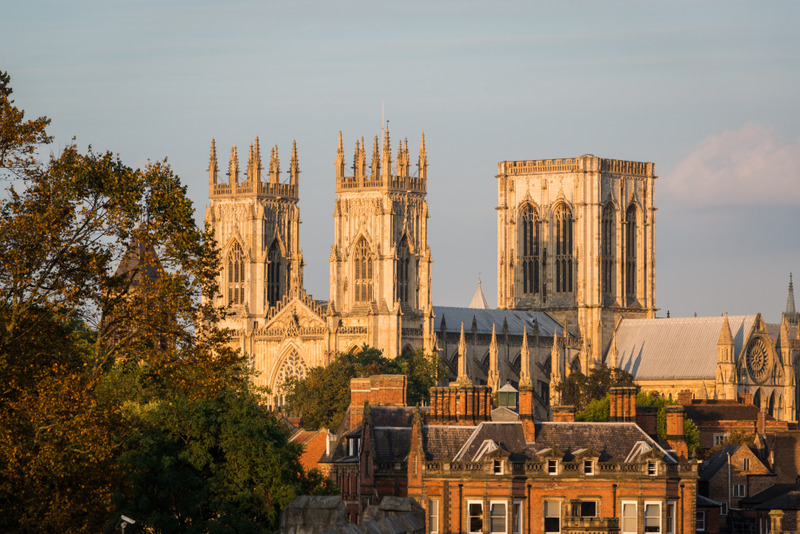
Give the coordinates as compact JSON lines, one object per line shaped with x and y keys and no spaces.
{"x":576,"y":239}
{"x":256,"y":223}
{"x":380,"y":260}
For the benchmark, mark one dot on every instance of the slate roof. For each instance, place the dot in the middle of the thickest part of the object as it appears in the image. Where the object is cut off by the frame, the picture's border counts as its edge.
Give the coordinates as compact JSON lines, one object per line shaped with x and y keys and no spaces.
{"x":722,"y":410}
{"x":516,"y":319}
{"x":391,"y":444}
{"x":614,"y":441}
{"x":508,"y":436}
{"x":716,"y":461}
{"x":775,"y":497}
{"x":705,"y":502}
{"x":442,"y":442}
{"x":677,"y":348}
{"x":395,"y":416}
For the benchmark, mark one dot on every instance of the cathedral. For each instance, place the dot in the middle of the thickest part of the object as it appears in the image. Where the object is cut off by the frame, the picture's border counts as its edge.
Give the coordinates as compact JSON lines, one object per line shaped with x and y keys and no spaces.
{"x":575,"y":283}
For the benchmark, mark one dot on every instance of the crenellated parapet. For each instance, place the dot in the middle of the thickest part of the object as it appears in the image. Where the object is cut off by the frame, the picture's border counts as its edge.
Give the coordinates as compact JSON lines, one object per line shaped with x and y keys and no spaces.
{"x":579,"y":164}
{"x":380,"y":175}
{"x":253,"y":185}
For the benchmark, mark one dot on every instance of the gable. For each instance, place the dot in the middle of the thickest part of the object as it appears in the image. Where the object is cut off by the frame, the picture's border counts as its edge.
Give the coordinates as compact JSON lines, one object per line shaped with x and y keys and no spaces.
{"x":294,"y":317}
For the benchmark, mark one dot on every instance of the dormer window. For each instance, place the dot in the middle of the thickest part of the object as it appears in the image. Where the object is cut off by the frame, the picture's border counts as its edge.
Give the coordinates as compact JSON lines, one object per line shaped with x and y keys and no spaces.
{"x":588,"y":467}
{"x":652,"y":468}
{"x":552,"y":467}
{"x":353,"y":446}
{"x":498,"y":467}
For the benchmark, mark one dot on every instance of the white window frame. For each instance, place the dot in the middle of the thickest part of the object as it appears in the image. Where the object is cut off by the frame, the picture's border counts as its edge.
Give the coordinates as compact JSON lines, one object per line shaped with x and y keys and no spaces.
{"x":433,"y":516}
{"x":739,"y":491}
{"x":719,"y":439}
{"x":652,"y":468}
{"x":470,"y":516}
{"x":670,"y":517}
{"x":516,"y":517}
{"x":497,"y":467}
{"x":700,"y":517}
{"x":622,"y":516}
{"x":588,"y":467}
{"x":552,"y":467}
{"x":658,"y":504}
{"x":544,"y":512}
{"x":504,"y":504}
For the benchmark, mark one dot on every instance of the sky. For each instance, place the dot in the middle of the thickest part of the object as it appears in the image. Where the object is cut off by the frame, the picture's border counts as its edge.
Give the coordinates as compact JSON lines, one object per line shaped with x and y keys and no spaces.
{"x":708,"y":91}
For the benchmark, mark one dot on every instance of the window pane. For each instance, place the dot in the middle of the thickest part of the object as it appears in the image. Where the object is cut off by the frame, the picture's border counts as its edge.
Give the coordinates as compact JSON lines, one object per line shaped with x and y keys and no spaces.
{"x":629,"y":517}
{"x":475,"y":517}
{"x":588,"y":509}
{"x":552,"y":516}
{"x":652,"y":518}
{"x":498,"y":523}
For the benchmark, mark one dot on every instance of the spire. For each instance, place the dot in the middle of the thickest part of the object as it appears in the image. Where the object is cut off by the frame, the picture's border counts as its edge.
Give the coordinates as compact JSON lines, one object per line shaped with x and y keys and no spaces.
{"x":479,"y":299}
{"x":525,"y":360}
{"x":386,"y":160}
{"x":494,"y":363}
{"x":791,"y":311}
{"x":423,"y":159}
{"x":233,"y":170}
{"x":294,"y":167}
{"x":340,"y":159}
{"x":257,"y":162}
{"x":725,"y":337}
{"x":376,"y":161}
{"x":463,"y":372}
{"x":213,"y":168}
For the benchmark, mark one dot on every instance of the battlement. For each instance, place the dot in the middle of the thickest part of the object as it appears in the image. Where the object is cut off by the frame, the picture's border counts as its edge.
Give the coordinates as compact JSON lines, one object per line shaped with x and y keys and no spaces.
{"x":579,"y":164}
{"x":380,"y":175}
{"x":253,"y":185}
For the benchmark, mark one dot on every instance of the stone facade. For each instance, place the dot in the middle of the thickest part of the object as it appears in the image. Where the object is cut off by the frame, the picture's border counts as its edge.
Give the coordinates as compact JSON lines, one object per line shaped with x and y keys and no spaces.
{"x":576,"y":238}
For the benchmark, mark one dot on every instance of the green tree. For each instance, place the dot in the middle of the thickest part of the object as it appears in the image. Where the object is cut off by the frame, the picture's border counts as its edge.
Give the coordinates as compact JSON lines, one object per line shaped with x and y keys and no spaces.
{"x":579,"y":390}
{"x":323,"y":396}
{"x":105,"y":282}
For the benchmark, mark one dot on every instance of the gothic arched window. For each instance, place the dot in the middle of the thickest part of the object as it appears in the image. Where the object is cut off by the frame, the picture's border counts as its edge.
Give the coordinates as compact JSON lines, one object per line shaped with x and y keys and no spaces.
{"x":274,"y":293}
{"x":292,"y":367}
{"x":564,"y":259}
{"x":529,"y":245}
{"x":235,"y":266}
{"x":403,"y":283}
{"x":608,"y":249}
{"x":630,"y":254}
{"x":362,"y":263}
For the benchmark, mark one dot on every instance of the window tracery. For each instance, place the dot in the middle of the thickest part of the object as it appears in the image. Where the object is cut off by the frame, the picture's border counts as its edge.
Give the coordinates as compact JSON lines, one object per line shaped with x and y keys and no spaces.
{"x":630,"y":254}
{"x":528,"y":224}
{"x":362,"y":263}
{"x":564,"y":257}
{"x":235,"y":267}
{"x":608,"y":249}
{"x":274,"y":268}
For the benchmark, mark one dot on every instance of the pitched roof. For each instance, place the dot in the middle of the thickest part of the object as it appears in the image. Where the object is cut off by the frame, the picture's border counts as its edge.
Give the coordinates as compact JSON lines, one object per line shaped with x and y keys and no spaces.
{"x":722,"y":410}
{"x":391,"y":444}
{"x":716,"y":461}
{"x":677,"y":348}
{"x":775,"y":497}
{"x":508,"y":436}
{"x":442,"y":442}
{"x":517,"y":320}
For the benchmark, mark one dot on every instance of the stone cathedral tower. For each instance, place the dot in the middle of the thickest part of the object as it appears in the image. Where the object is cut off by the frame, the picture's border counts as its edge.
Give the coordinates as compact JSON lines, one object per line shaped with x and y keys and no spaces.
{"x":380,"y":281}
{"x":576,"y":239}
{"x":256,"y":224}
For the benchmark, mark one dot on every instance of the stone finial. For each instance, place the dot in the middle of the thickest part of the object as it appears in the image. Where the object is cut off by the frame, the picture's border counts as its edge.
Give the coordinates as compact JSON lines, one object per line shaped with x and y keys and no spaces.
{"x":294,"y":167}
{"x":340,"y":158}
{"x":233,"y":170}
{"x":274,"y":166}
{"x":725,"y":337}
{"x":525,"y":360}
{"x":376,"y":161}
{"x":423,"y":159}
{"x":463,"y":364}
{"x":386,"y":159}
{"x":257,"y":167}
{"x":213,"y":168}
{"x":494,"y":363}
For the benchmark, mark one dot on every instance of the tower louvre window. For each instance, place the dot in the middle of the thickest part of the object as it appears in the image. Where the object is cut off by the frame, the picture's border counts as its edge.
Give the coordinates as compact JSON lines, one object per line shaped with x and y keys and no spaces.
{"x":235,"y":265}
{"x":403,"y":284}
{"x":608,"y":249}
{"x":529,"y":245}
{"x":274,"y":268}
{"x":564,"y":258}
{"x":630,"y":254}
{"x":363,"y":272}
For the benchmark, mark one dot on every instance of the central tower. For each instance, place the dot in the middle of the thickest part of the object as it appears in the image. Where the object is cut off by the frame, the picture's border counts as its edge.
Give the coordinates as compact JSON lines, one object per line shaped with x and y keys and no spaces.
{"x":380,"y":259}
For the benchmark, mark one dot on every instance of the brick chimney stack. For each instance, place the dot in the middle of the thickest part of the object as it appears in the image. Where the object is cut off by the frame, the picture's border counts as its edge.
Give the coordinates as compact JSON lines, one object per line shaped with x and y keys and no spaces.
{"x":675,"y":437}
{"x":564,"y":414}
{"x":378,"y":390}
{"x":623,"y":404}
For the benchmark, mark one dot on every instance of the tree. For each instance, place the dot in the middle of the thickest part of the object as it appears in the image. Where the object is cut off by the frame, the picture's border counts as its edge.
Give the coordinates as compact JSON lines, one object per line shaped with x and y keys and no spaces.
{"x":579,"y":390}
{"x":599,"y":410}
{"x":323,"y":396}
{"x":221,"y":464}
{"x":105,"y":314}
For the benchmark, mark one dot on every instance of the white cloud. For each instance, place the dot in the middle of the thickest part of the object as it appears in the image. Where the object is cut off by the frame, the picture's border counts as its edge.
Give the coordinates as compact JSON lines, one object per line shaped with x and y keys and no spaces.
{"x":752,"y":165}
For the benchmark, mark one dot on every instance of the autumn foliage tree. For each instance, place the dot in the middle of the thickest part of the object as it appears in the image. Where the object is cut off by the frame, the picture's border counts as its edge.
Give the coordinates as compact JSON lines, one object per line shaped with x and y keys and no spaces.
{"x":105,"y":325}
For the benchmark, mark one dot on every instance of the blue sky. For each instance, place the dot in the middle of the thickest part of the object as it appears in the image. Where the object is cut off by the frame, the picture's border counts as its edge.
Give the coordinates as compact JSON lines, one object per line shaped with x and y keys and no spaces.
{"x":706,"y":90}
